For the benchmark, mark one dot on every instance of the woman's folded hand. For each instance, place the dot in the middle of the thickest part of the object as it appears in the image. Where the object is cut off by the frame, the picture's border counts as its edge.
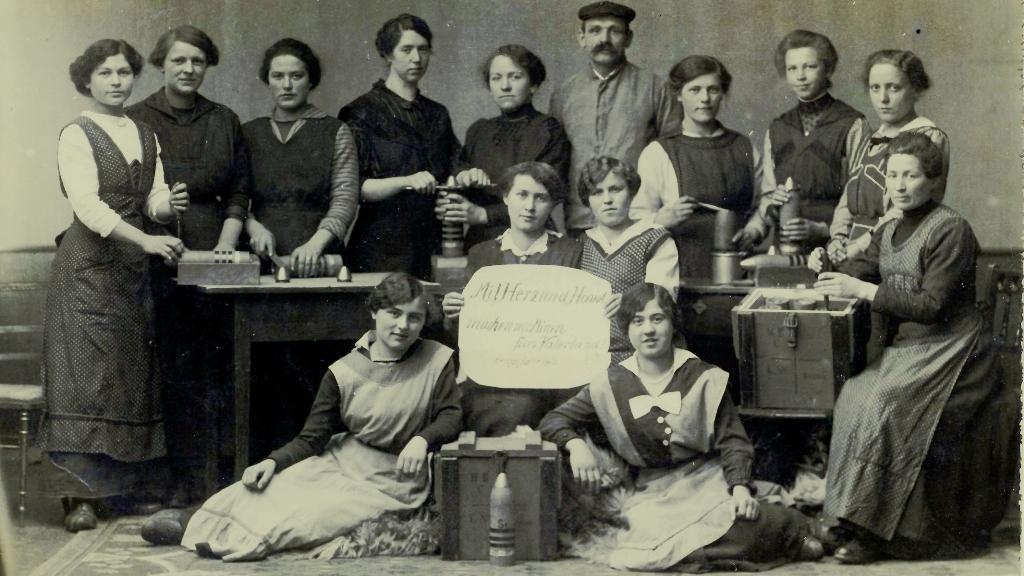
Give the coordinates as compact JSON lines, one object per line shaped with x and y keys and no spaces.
{"x":584,"y":466}
{"x":410,"y":460}
{"x":744,"y":506}
{"x":257,"y":476}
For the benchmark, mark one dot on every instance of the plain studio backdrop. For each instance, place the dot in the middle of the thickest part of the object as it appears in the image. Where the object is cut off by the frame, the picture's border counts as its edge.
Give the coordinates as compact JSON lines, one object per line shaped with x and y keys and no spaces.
{"x":972,"y":50}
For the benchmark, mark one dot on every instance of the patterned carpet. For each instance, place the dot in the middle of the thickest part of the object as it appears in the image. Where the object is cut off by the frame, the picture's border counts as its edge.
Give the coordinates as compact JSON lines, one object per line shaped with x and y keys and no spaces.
{"x":115,"y":549}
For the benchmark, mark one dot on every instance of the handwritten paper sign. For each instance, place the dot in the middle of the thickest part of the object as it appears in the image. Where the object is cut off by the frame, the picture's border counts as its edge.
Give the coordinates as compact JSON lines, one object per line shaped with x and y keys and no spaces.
{"x":527,"y":326}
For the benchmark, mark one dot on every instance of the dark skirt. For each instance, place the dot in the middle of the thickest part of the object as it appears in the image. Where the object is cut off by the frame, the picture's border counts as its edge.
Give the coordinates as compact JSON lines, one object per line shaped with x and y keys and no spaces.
{"x":399,"y":234}
{"x":773,"y":539}
{"x":100,"y":379}
{"x":293,"y":225}
{"x":97,"y":476}
{"x":201,"y":224}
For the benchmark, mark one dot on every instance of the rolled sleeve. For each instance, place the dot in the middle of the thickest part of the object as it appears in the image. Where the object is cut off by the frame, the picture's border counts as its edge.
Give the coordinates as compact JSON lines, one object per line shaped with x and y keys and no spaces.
{"x":344,"y":185}
{"x":768,"y":183}
{"x":159,"y":193}
{"x":656,"y":178}
{"x":235,"y":200}
{"x":663,"y":267}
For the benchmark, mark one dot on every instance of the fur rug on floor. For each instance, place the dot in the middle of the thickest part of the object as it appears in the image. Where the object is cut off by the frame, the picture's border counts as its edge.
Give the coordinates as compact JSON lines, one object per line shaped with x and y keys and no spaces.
{"x":589,"y":523}
{"x":391,"y":534}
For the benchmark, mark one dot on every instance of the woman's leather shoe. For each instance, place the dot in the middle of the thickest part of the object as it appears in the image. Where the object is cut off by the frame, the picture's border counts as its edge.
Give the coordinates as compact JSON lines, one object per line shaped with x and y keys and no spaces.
{"x":180,"y":496}
{"x":145,"y":508}
{"x":163,"y":528}
{"x":856,"y":552}
{"x":81,"y":517}
{"x":204,"y":551}
{"x":811,"y":549}
{"x":829,"y":536}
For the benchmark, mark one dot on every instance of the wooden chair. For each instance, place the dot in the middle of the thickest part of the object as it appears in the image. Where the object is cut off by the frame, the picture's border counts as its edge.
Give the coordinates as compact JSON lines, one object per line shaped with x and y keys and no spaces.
{"x":1002,"y":302}
{"x":1003,"y":298}
{"x":25,"y":394}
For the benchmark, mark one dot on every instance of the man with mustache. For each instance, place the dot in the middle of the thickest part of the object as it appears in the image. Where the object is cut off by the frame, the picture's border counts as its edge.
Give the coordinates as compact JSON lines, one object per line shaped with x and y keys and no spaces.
{"x":613,"y":108}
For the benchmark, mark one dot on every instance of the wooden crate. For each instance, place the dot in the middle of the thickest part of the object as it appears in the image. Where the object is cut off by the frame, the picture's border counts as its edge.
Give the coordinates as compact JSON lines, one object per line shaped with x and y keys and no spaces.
{"x":793,"y":363}
{"x":466,"y":470}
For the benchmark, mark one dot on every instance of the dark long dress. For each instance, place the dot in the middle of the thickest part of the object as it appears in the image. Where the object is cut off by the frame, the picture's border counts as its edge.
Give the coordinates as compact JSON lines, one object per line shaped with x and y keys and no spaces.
{"x":100,"y":380}
{"x":396,"y":137}
{"x":203,"y":148}
{"x":809,"y":145}
{"x":923,"y":437}
{"x":292,"y":180}
{"x":495,"y":144}
{"x":304,"y":180}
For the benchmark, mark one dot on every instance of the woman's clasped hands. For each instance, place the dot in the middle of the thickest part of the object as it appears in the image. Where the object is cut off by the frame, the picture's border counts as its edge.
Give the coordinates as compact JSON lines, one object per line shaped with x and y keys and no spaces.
{"x":836,"y":283}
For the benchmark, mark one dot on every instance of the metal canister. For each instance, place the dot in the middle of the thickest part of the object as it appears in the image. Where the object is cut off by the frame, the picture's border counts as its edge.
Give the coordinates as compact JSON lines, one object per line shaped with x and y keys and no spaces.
{"x":776,"y":303}
{"x":453,"y":245}
{"x":787,"y":212}
{"x":326,"y":266}
{"x":805,"y":304}
{"x":725,"y":229}
{"x":725,"y":267}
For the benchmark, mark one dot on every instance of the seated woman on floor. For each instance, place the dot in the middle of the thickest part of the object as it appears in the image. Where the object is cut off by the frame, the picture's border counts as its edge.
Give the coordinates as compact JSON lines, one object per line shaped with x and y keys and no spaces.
{"x":394,"y":397}
{"x":669,"y":415}
{"x":921,"y":461}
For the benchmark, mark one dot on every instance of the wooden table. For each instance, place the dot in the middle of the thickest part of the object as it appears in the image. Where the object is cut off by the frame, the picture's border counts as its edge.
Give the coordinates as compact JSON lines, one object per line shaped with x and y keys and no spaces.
{"x":706,"y":308}
{"x":304,"y":309}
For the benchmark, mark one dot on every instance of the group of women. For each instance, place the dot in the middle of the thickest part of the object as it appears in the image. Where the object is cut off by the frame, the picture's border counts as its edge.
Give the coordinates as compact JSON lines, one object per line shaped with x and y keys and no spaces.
{"x":904,"y":477}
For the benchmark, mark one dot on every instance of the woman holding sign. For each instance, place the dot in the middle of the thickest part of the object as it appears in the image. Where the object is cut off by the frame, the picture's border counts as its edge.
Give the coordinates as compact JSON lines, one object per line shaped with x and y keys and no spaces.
{"x":530,"y":190}
{"x":394,"y":397}
{"x":669,"y":415}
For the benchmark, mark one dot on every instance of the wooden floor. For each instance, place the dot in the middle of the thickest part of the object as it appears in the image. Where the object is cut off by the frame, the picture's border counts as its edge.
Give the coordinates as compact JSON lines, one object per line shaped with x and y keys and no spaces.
{"x":115,"y":549}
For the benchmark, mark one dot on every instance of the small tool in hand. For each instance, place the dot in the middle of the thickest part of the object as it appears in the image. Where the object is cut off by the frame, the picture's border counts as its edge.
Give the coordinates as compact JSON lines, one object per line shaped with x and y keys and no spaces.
{"x":711,"y":207}
{"x":826,"y":266}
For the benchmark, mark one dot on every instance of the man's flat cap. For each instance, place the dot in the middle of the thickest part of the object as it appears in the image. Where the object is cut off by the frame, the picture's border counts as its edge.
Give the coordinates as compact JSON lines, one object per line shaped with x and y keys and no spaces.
{"x":604,"y":9}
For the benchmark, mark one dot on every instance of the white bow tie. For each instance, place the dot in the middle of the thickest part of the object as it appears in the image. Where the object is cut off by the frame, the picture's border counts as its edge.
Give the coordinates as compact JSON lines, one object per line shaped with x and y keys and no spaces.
{"x":670,"y":402}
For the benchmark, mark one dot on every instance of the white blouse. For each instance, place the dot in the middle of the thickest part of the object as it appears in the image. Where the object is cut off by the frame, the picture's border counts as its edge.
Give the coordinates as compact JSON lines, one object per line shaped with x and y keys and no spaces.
{"x":80,"y":175}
